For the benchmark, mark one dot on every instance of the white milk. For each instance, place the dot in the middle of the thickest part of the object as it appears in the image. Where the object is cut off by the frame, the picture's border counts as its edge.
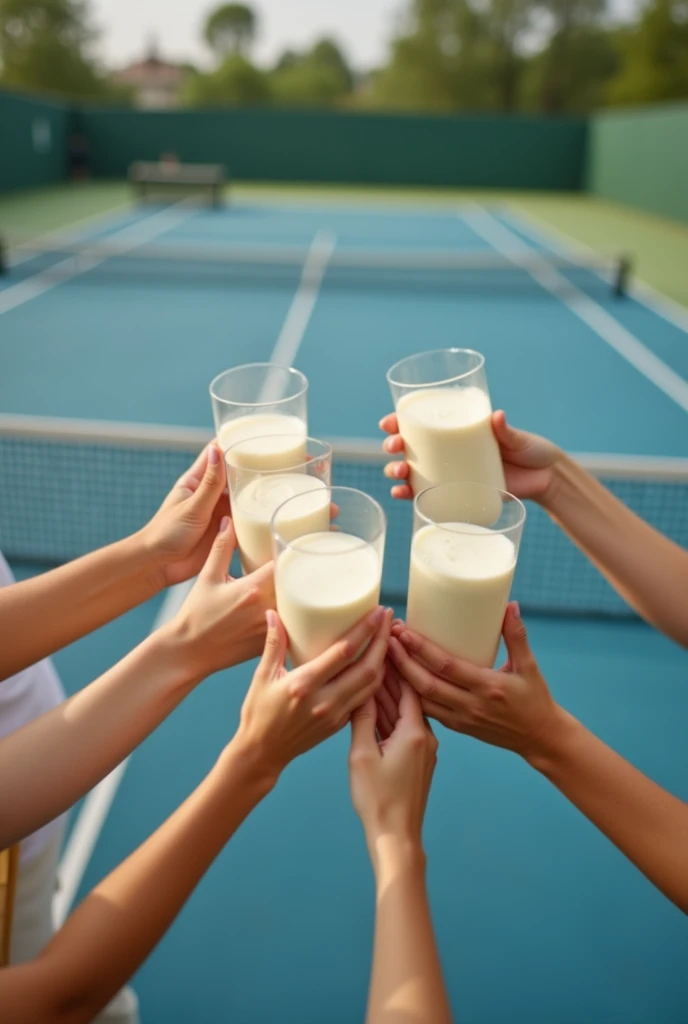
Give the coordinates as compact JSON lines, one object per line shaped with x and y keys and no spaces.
{"x":459,"y":588}
{"x":265,"y":451}
{"x":325,"y":583}
{"x":448,"y":437}
{"x":254,"y":504}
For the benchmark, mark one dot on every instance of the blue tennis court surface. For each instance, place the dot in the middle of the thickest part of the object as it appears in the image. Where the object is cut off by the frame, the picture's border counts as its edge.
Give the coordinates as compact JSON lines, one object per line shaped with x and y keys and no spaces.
{"x":141,"y":343}
{"x":539,"y":919}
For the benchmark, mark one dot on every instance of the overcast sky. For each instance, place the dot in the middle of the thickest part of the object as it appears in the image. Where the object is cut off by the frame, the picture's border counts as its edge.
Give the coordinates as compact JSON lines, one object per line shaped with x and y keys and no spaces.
{"x":363,"y":27}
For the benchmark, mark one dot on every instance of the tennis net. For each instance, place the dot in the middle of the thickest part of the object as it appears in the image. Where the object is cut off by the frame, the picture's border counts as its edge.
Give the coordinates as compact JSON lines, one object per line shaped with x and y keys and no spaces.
{"x":111,"y":259}
{"x":67,"y":487}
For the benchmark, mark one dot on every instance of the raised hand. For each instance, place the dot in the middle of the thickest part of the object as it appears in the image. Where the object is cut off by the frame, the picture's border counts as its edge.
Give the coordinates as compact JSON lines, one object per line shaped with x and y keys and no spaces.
{"x":287,"y":713}
{"x":390,"y":778}
{"x":528,"y":459}
{"x":390,"y":782}
{"x":511,"y":707}
{"x":182,"y":531}
{"x":222,"y":621}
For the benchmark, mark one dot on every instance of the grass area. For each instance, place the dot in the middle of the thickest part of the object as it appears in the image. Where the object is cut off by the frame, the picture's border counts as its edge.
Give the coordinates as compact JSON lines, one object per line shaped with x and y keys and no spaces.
{"x":659,"y":246}
{"x":37,"y":211}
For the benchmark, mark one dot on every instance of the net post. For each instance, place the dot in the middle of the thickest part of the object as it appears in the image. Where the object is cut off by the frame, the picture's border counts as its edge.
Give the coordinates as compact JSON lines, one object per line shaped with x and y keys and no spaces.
{"x":622,"y":276}
{"x":4,"y":258}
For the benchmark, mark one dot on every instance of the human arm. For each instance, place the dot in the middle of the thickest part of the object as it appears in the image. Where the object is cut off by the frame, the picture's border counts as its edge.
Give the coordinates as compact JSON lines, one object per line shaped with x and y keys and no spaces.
{"x":513,"y":708}
{"x":47,"y":765}
{"x":647,"y":569}
{"x":390,"y":782}
{"x":49,"y":611}
{"x":119,"y":923}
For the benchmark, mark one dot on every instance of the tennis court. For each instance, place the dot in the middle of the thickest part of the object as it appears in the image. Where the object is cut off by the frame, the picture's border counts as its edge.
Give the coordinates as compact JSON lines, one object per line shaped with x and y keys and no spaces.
{"x":124,"y":320}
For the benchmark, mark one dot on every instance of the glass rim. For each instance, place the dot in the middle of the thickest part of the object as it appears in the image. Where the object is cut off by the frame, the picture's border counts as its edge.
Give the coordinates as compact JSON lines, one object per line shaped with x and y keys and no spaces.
{"x":356,"y":547}
{"x":327,"y":453}
{"x":434,"y":383}
{"x":252,"y":366}
{"x":510,"y":498}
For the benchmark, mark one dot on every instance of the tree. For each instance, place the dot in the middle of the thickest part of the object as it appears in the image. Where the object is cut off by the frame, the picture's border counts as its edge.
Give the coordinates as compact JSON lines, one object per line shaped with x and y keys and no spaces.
{"x":577,"y":81}
{"x":235,"y":83}
{"x":443,"y":59}
{"x":573,"y":25}
{"x":44,"y":45}
{"x":654,"y":56}
{"x":320,"y":77}
{"x":230,"y":29}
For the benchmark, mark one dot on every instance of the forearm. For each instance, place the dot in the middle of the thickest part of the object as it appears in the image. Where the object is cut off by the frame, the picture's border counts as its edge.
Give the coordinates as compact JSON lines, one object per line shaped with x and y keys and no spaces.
{"x":648,"y":825}
{"x":112,"y":932}
{"x":406,"y":982}
{"x":45,"y":613}
{"x":647,"y":569}
{"x":50,"y":763}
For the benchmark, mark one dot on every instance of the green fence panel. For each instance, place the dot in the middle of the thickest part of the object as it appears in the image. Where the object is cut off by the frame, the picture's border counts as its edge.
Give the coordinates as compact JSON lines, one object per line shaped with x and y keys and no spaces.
{"x":33,"y":141}
{"x":640,"y":158}
{"x":277,"y":145}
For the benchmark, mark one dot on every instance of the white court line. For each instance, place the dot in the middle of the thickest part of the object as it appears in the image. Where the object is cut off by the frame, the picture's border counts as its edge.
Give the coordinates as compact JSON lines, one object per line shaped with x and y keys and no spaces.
{"x":89,"y":824}
{"x":303,"y":303}
{"x":126,"y":240}
{"x":558,"y":241}
{"x":586,"y":309}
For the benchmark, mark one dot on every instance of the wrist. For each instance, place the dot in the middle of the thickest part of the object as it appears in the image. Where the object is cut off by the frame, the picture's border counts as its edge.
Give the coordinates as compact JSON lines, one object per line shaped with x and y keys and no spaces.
{"x":554,"y":745}
{"x":172,"y":648}
{"x":242,"y":759}
{"x":561,"y":485}
{"x":150,"y":559}
{"x":394,"y":854}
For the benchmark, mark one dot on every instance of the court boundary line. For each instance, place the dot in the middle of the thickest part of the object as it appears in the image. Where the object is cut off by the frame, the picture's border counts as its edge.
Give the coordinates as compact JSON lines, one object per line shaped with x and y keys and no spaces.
{"x":559,"y":241}
{"x":602,"y":323}
{"x":298,"y":316}
{"x":98,"y":802}
{"x":131,"y":236}
{"x":55,"y":430}
{"x":91,"y":819}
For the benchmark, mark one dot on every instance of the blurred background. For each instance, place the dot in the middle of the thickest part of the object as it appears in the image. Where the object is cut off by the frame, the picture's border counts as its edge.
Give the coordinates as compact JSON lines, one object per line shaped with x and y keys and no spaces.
{"x":541,"y":56}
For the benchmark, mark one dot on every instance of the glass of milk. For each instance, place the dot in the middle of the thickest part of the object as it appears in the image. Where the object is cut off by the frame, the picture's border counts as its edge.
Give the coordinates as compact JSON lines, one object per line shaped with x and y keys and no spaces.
{"x":327,"y":579}
{"x":445,"y":418}
{"x":256,"y":493}
{"x":463,"y":556}
{"x":261,"y":400}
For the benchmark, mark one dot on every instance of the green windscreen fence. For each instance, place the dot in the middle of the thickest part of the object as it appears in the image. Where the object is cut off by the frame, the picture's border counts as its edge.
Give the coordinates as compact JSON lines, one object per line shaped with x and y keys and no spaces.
{"x":33,"y":141}
{"x":279,"y":145}
{"x":640,"y":158}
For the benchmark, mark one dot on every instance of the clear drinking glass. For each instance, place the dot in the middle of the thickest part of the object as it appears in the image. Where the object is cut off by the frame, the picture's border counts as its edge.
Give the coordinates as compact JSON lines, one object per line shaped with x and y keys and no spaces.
{"x":256,"y":493}
{"x":463,"y":557}
{"x":261,"y":399}
{"x":445,"y":418}
{"x":326,"y":580}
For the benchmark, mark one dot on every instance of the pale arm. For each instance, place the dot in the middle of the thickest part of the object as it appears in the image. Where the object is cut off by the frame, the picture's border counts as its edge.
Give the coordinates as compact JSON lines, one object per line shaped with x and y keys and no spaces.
{"x":45,"y":613}
{"x":406,"y":985}
{"x":513,"y":708}
{"x":390,"y":782}
{"x":47,"y":765}
{"x":646,"y":568}
{"x":119,"y":923}
{"x":648,"y":825}
{"x":41,"y":615}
